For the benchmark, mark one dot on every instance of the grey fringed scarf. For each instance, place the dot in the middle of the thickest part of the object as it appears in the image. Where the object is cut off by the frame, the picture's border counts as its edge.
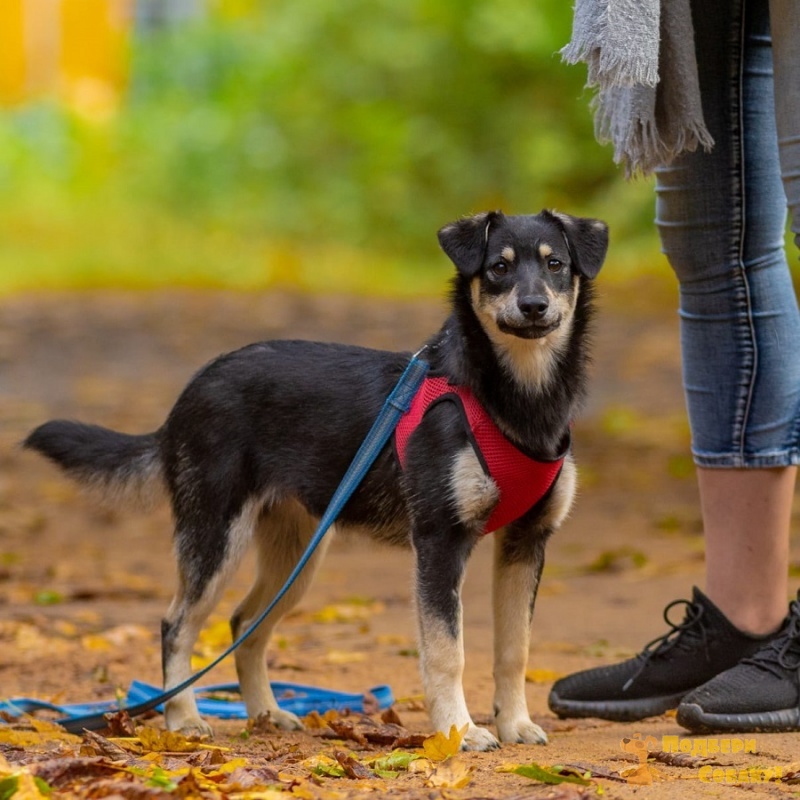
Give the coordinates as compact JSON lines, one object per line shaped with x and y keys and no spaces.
{"x":640,"y":55}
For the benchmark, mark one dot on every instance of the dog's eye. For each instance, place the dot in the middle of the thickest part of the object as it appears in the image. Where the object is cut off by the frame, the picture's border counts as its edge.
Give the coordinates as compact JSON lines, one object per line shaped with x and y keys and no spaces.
{"x":554,"y":265}
{"x":500,"y":268}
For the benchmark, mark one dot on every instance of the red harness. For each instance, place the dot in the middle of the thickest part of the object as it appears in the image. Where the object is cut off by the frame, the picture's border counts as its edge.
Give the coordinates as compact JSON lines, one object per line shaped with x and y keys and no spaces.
{"x":521,"y":480}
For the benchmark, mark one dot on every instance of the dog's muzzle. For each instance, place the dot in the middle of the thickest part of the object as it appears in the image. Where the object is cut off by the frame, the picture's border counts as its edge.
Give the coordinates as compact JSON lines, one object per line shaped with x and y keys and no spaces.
{"x":532,"y":318}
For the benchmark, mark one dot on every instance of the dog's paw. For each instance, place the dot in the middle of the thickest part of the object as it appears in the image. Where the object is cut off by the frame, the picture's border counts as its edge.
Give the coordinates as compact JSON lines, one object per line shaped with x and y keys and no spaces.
{"x":479,"y":739}
{"x":521,"y":731}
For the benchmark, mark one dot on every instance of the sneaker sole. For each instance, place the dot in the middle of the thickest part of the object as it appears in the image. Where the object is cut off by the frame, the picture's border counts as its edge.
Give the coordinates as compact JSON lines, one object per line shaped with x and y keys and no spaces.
{"x":614,"y":710}
{"x":692,"y":717}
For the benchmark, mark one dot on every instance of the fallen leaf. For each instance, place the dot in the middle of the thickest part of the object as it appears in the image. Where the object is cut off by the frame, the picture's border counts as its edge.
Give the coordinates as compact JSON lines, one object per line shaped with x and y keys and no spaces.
{"x":23,"y":786}
{"x":617,"y":560}
{"x":33,"y":738}
{"x":345,"y":729}
{"x":157,"y":741}
{"x":324,"y":766}
{"x":58,"y":772}
{"x":317,"y":721}
{"x":683,"y":759}
{"x":390,"y":715}
{"x":352,"y":611}
{"x":394,"y":762}
{"x":103,"y":746}
{"x":639,"y":775}
{"x":352,"y":768}
{"x":551,"y":775}
{"x":120,"y":723}
{"x":452,"y":774}
{"x":344,"y":657}
{"x":439,"y":747}
{"x":262,"y":724}
{"x":542,"y":675}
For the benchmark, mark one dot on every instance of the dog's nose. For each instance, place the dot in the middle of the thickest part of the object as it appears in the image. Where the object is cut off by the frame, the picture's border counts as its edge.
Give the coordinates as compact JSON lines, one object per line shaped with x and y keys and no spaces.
{"x":533,"y":306}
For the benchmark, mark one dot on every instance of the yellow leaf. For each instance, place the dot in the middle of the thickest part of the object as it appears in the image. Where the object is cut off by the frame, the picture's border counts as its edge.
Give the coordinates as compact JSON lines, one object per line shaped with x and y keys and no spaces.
{"x":217,"y":636}
{"x":344,"y":657}
{"x":96,"y":642}
{"x":158,"y":741}
{"x":453,"y":774}
{"x":421,"y":765}
{"x":439,"y":747}
{"x":542,"y":675}
{"x":34,"y":738}
{"x":27,"y":788}
{"x":641,"y":775}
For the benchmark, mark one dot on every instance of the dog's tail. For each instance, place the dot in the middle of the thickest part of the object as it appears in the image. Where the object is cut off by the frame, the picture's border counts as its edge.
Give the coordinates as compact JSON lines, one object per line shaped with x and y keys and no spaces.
{"x":119,"y":465}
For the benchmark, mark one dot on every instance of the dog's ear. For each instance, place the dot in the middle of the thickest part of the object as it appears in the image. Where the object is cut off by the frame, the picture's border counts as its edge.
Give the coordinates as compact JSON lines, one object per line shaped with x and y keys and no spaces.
{"x":464,"y":241}
{"x":587,"y":240}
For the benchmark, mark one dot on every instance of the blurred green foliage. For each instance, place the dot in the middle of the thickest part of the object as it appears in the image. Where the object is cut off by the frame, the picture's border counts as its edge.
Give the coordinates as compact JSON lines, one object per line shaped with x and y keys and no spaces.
{"x":316,"y":144}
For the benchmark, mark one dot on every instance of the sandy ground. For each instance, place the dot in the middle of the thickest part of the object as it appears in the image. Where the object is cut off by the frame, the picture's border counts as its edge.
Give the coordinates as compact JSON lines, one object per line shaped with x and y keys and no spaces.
{"x":82,"y":589}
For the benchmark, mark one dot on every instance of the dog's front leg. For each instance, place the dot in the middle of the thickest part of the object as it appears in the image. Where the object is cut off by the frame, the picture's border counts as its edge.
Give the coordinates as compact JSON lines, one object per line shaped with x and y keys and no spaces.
{"x":517,"y":570}
{"x":440,"y":561}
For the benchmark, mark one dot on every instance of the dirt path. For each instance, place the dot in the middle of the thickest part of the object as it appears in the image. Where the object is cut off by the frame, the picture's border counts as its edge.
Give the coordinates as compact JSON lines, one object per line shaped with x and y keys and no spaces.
{"x":83,"y":589}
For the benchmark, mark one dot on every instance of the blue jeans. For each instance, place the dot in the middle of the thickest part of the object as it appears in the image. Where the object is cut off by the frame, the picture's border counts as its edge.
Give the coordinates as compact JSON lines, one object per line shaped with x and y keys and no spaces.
{"x":721,"y":217}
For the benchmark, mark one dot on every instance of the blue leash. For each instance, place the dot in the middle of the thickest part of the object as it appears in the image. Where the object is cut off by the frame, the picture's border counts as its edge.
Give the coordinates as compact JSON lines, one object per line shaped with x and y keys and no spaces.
{"x":395,"y":405}
{"x":215,"y":701}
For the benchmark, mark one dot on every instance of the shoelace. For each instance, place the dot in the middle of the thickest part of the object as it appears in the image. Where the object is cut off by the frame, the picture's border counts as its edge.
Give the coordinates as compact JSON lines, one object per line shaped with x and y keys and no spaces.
{"x":784,"y":650}
{"x":662,"y":644}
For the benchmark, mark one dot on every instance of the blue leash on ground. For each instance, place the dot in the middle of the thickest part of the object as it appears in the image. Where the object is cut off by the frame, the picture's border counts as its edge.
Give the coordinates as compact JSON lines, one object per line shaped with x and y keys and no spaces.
{"x":214,"y":701}
{"x":395,"y":405}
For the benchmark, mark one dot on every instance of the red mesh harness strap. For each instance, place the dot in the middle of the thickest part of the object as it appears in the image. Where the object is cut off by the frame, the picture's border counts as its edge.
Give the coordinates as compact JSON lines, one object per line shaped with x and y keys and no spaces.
{"x":522,"y":481}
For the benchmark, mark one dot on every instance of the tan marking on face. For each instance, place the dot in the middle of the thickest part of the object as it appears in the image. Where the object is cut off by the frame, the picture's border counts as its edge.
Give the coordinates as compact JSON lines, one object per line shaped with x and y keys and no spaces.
{"x":530,"y":361}
{"x":545,"y":250}
{"x":508,"y":253}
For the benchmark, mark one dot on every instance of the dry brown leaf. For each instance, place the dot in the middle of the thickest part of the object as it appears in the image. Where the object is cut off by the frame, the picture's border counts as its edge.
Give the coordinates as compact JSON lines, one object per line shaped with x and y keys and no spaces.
{"x":154,"y":740}
{"x":352,"y":768}
{"x":683,"y":759}
{"x":390,"y":716}
{"x":103,"y":747}
{"x":59,"y":772}
{"x":120,"y":723}
{"x":345,"y":729}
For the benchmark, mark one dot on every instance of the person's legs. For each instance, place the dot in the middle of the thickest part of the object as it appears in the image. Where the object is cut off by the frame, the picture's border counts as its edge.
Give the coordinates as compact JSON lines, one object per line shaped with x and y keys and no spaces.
{"x":746,"y":521}
{"x":761,"y":692}
{"x":721,"y":218}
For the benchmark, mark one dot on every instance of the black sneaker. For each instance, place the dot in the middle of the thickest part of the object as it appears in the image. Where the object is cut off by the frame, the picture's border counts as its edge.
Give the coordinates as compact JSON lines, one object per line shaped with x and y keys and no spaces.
{"x":692,"y":652}
{"x":761,"y":693}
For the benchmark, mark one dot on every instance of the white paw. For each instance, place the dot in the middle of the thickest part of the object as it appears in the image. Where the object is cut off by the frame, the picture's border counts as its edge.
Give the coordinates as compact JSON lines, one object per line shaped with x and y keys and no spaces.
{"x":479,"y":739}
{"x":521,"y":731}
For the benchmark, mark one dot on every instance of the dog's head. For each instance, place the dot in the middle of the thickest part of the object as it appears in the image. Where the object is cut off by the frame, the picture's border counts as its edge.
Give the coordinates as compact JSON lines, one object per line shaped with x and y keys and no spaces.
{"x":524,"y":272}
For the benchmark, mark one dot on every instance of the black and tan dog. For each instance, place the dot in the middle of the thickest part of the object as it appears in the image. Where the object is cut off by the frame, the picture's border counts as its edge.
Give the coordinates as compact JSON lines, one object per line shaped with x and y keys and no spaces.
{"x":257,"y":442}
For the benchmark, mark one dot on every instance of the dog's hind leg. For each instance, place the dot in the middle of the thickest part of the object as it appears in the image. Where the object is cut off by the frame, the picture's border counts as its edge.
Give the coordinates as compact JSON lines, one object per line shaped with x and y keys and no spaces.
{"x":202,"y":576}
{"x":282,"y":536}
